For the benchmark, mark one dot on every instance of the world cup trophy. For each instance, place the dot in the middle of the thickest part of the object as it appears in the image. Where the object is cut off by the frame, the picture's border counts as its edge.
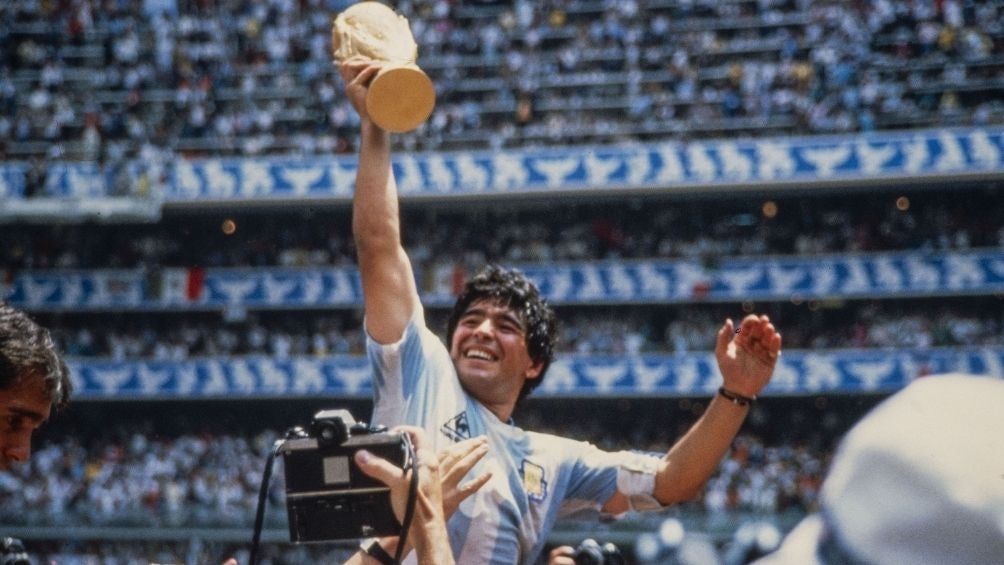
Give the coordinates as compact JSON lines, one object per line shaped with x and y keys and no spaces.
{"x":400,"y":96}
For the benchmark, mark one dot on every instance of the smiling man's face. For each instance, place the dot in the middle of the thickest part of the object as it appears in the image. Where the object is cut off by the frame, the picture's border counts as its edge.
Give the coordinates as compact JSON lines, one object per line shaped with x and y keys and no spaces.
{"x":490,"y":353}
{"x":23,"y":408}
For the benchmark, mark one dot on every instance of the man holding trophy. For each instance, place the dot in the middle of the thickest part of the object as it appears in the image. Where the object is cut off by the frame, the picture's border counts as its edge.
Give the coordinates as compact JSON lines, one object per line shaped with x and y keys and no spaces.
{"x":500,"y":342}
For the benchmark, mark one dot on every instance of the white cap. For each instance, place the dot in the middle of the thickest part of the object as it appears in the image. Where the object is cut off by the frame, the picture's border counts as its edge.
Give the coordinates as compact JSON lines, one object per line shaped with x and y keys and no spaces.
{"x":919,"y":480}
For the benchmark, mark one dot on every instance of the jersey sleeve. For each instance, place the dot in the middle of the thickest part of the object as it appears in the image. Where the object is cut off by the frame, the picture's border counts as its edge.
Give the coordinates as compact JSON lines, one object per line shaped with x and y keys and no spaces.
{"x":597,"y":474}
{"x":413,"y":377}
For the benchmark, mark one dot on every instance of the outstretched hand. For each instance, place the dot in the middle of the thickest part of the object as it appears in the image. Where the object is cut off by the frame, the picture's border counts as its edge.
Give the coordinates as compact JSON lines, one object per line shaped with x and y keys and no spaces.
{"x":454,"y":463}
{"x":748,"y":354}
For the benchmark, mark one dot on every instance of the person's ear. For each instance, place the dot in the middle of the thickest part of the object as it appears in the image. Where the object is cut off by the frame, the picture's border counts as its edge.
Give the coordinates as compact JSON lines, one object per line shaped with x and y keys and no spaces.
{"x":534,"y":370}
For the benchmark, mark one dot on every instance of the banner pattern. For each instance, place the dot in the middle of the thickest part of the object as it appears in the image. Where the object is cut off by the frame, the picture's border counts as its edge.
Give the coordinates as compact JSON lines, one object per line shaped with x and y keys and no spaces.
{"x":941,"y":153}
{"x":797,"y":373}
{"x":655,"y":166}
{"x":771,"y":278}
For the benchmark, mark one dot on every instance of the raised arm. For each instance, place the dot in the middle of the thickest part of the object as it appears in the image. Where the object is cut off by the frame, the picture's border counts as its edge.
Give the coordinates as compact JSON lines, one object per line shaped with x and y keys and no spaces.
{"x":390,"y":296}
{"x":746,"y":359}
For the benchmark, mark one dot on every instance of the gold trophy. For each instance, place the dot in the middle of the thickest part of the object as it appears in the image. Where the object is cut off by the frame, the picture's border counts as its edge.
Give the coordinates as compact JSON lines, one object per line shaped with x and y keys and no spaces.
{"x":400,"y":96}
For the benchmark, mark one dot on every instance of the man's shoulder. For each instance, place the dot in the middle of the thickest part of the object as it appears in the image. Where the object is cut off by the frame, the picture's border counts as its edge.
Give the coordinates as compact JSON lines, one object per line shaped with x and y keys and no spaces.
{"x":415,"y":335}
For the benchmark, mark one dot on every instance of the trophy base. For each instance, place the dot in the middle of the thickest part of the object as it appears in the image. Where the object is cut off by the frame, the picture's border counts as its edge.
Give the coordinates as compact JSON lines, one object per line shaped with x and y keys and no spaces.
{"x":400,"y":98}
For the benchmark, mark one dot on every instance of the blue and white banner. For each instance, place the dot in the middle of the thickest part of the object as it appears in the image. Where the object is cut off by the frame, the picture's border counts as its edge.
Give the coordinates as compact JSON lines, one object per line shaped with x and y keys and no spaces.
{"x":77,"y":180}
{"x":660,"y":166}
{"x":798,"y":372}
{"x":78,"y":290}
{"x":803,"y":161}
{"x":185,"y":289}
{"x":771,"y":278}
{"x":282,"y":287}
{"x":251,"y":376}
{"x":774,"y":278}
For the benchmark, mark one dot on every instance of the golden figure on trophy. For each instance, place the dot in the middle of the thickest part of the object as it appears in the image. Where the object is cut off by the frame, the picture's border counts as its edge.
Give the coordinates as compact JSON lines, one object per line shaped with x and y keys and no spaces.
{"x":401,"y":96}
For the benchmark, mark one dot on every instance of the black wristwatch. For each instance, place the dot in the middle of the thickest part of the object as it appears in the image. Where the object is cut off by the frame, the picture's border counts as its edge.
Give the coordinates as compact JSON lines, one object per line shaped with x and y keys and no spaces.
{"x":373,"y":548}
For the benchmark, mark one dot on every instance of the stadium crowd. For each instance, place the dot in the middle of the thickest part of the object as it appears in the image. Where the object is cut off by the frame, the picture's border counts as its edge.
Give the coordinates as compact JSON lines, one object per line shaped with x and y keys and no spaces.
{"x":140,"y":480}
{"x":958,"y":219}
{"x":624,"y":330}
{"x":111,"y":80}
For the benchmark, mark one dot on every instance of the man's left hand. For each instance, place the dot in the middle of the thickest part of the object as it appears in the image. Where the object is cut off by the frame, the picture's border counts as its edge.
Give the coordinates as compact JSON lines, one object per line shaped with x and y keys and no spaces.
{"x":748,"y":354}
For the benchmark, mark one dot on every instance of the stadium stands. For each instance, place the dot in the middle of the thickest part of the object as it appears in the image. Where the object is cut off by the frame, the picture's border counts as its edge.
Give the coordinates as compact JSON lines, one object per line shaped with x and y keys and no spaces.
{"x":174,"y":179}
{"x":113,"y":80}
{"x":637,"y":228}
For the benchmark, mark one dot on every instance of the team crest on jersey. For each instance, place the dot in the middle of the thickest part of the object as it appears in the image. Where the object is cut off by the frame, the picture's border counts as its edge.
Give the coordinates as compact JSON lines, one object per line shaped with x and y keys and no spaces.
{"x":456,"y":428}
{"x":534,"y":482}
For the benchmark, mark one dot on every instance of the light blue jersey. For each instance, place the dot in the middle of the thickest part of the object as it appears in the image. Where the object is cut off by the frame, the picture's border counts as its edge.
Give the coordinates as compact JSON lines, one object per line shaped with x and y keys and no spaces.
{"x":536,"y":478}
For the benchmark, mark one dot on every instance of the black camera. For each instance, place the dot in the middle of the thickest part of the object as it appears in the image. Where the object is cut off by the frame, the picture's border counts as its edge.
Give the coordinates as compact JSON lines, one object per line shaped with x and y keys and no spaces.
{"x":12,"y":552}
{"x":327,"y":496}
{"x":590,"y":552}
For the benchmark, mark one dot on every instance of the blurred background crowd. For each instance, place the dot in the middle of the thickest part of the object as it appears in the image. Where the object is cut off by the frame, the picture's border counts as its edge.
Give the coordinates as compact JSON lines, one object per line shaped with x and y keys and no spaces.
{"x":620,"y":330}
{"x":533,"y":232}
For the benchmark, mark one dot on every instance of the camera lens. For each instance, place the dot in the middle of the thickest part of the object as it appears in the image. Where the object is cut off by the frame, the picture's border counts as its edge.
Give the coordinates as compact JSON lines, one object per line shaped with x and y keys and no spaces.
{"x":330,"y":432}
{"x":12,"y":552}
{"x":588,"y":553}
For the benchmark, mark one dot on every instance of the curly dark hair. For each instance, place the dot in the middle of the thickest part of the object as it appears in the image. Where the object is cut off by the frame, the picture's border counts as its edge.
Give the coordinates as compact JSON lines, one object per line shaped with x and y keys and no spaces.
{"x":27,"y":350}
{"x":511,"y":289}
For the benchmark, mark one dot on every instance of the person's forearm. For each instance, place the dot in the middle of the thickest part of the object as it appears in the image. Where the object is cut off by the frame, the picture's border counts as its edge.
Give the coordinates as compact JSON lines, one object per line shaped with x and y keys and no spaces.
{"x":692,"y":460}
{"x":433,"y":545}
{"x":428,"y":532}
{"x":374,"y":206}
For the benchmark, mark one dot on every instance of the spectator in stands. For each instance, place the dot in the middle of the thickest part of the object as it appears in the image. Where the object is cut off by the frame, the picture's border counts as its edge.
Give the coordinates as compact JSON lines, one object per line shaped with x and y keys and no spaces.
{"x":33,"y":380}
{"x":917,"y":481}
{"x":501,"y":335}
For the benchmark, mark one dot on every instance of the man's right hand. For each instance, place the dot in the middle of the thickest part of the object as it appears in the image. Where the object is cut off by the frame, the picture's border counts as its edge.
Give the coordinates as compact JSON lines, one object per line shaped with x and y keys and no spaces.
{"x":358,"y":72}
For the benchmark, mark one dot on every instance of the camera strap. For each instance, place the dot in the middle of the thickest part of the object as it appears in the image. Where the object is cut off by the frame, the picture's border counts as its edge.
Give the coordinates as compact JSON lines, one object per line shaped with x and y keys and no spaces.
{"x":262,"y":497}
{"x":409,"y":509}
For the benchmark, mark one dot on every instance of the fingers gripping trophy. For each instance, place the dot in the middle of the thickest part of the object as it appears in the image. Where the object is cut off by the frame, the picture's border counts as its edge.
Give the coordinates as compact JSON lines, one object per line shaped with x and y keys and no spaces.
{"x":401,"y":96}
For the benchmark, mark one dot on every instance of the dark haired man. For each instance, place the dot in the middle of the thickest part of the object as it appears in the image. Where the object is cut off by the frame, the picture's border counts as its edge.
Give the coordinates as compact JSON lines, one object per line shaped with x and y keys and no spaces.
{"x":33,"y":380}
{"x":501,"y":339}
{"x":511,"y":293}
